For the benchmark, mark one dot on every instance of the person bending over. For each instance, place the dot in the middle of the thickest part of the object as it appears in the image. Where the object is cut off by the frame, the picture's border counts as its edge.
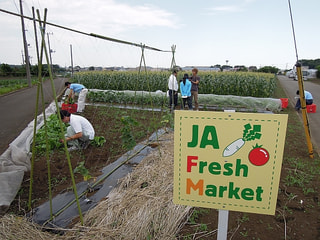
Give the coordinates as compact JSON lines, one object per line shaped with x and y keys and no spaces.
{"x":79,"y":133}
{"x":76,"y":88}
{"x":307,"y":96}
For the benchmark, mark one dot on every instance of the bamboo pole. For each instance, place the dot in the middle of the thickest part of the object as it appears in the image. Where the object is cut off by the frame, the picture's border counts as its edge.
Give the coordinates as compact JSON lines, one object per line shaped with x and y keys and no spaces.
{"x":173,"y":61}
{"x":40,"y":57}
{"x":304,"y":110}
{"x":60,"y":122}
{"x":35,"y":122}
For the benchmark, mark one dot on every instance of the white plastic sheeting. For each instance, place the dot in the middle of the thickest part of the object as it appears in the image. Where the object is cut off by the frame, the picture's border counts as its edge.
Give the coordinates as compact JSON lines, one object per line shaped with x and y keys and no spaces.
{"x":250,"y":103}
{"x":218,"y":101}
{"x":16,"y":160}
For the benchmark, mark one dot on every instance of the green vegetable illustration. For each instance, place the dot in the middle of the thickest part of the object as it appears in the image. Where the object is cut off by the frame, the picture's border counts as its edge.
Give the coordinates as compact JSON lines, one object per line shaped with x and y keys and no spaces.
{"x":249,"y":133}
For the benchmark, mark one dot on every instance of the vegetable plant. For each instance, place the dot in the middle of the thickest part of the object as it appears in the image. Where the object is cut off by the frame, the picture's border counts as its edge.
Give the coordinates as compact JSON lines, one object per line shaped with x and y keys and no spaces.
{"x":83,"y":171}
{"x":128,"y":141}
{"x":69,"y":101}
{"x":54,"y":135}
{"x":98,"y":141}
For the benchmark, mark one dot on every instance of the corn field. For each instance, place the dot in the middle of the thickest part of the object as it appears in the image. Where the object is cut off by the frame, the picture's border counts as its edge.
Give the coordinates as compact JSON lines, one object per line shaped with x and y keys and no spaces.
{"x":133,"y":80}
{"x":220,"y":83}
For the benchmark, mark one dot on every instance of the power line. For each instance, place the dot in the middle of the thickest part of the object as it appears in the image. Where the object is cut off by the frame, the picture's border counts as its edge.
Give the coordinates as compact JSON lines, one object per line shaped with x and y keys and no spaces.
{"x":88,"y":34}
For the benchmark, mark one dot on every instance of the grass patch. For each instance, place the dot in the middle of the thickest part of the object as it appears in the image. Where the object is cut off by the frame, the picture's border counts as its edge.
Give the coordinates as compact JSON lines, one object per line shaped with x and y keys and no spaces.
{"x":11,"y":84}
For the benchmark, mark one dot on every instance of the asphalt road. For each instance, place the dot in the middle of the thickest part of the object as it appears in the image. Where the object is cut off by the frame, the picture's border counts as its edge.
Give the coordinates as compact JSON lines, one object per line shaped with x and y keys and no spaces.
{"x":290,"y":87}
{"x":17,"y":110}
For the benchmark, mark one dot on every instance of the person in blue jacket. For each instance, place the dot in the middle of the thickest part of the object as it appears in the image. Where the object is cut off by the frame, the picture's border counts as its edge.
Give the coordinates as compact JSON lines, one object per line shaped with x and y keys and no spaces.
{"x":185,"y":90}
{"x":307,"y":96}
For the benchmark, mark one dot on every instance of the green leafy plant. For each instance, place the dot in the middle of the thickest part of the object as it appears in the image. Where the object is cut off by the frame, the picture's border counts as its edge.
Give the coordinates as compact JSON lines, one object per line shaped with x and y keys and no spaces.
{"x":82,"y":170}
{"x":54,"y":135}
{"x":203,"y":227}
{"x":244,"y":234}
{"x":58,"y":180}
{"x":70,"y":101}
{"x":197,"y":212}
{"x":168,"y":120}
{"x":98,"y":141}
{"x":128,"y":141}
{"x":244,"y":218}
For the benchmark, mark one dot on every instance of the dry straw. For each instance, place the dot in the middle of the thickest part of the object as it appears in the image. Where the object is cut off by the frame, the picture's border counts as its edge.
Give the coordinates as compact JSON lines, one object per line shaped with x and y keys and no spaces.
{"x":18,"y":228}
{"x":140,"y":207}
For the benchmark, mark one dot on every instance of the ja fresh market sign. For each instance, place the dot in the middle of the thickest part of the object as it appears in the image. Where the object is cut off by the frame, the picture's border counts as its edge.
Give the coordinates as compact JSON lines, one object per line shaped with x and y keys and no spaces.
{"x":228,"y":161}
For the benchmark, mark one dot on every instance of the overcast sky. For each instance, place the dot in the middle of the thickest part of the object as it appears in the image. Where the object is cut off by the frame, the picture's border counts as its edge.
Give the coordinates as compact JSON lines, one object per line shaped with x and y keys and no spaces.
{"x":237,"y":32}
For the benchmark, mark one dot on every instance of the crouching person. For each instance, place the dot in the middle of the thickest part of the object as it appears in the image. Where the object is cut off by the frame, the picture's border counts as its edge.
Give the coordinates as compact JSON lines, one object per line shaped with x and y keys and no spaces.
{"x":79,"y":133}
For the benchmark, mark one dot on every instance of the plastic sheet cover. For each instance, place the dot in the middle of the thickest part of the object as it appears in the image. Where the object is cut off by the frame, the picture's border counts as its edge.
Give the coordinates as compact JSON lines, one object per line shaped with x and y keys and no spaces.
{"x":16,"y":160}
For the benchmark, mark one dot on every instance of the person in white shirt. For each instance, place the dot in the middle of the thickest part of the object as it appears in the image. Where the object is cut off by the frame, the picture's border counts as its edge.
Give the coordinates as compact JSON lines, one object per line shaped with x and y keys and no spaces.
{"x":173,"y":89}
{"x":79,"y":133}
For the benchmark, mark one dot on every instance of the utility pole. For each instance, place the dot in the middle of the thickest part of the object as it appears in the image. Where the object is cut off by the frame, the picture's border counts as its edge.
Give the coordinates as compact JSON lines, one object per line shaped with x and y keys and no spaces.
{"x":50,"y":51}
{"x":71,"y":60}
{"x":25,"y":47}
{"x":22,"y":57}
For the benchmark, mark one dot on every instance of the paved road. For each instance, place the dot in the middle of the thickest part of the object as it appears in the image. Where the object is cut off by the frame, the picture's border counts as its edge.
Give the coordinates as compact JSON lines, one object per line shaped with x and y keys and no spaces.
{"x":18,"y":109}
{"x":290,"y":87}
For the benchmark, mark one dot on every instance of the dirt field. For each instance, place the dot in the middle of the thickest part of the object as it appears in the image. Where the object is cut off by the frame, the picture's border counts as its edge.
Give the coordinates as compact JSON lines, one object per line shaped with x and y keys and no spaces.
{"x":297,"y":214}
{"x":107,"y":123}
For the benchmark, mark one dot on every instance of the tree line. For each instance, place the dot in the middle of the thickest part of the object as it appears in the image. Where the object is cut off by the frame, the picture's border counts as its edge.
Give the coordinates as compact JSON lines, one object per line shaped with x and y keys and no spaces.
{"x":312,"y":64}
{"x":7,"y":70}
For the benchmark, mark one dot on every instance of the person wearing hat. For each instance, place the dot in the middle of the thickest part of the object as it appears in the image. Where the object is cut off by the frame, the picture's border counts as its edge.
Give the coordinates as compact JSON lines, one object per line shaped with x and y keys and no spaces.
{"x":79,"y":133}
{"x":185,"y":90}
{"x":308,"y":97}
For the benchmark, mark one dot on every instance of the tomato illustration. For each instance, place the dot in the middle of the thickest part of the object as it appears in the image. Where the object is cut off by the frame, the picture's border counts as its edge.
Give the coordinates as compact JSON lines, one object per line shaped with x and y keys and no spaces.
{"x":259,"y":156}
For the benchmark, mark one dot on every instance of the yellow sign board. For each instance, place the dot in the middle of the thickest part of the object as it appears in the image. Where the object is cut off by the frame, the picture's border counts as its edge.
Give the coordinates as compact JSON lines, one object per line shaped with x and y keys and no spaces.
{"x":229,"y":161}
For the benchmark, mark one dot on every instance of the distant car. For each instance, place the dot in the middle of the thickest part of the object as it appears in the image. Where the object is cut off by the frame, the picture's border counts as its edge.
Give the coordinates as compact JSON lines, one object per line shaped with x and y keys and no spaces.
{"x":291,"y":74}
{"x":304,"y":76}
